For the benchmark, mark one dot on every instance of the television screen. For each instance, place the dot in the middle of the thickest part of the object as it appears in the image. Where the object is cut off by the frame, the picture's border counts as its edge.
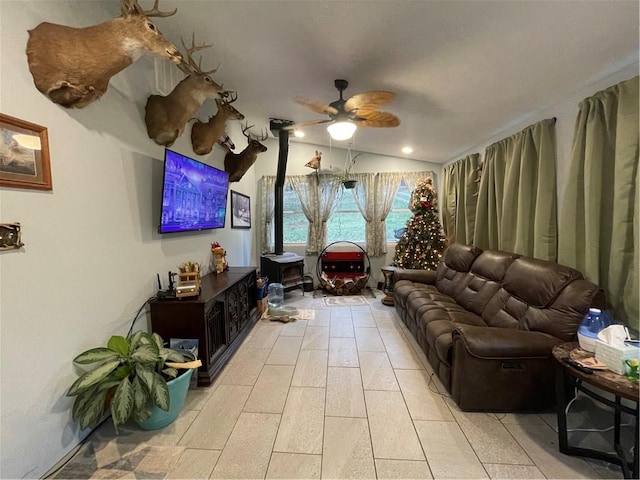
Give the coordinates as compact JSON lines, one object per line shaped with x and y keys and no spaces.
{"x":194,"y":195}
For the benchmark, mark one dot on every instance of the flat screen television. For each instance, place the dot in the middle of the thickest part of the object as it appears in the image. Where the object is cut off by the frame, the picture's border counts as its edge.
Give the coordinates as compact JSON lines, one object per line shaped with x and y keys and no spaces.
{"x":194,"y":195}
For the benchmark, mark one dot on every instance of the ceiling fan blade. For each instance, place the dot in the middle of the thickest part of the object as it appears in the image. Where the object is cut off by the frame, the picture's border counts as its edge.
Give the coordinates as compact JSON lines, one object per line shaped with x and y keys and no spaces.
{"x":369,"y":100}
{"x":297,"y":126}
{"x":374,"y":118}
{"x":316,"y":106}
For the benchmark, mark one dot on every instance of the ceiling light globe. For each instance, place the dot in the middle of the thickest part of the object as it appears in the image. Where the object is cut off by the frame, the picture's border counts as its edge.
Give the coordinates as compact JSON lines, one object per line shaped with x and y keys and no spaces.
{"x":341,"y":130}
{"x":407,"y":150}
{"x":298,"y":133}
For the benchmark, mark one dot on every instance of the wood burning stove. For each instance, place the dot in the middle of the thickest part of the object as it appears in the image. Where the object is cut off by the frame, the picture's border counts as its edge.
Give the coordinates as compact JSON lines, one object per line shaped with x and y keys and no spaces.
{"x":287,"y":269}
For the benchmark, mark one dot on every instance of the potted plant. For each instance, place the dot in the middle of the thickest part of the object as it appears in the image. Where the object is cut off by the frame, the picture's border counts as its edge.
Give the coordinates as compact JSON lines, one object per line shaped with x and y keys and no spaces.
{"x":132,"y":379}
{"x":345,"y":178}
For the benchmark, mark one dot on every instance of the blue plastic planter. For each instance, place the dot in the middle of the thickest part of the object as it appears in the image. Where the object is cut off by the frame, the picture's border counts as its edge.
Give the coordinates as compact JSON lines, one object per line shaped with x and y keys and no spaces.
{"x":178,"y":388}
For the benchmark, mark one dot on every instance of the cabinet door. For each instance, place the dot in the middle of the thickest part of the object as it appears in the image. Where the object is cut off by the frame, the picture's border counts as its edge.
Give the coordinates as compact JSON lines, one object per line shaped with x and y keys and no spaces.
{"x":216,"y":330}
{"x":233,"y":304}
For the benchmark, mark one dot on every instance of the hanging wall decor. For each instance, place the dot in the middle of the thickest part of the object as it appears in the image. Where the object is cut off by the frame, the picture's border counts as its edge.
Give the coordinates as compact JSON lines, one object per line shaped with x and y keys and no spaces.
{"x":240,"y":210}
{"x":24,"y":154}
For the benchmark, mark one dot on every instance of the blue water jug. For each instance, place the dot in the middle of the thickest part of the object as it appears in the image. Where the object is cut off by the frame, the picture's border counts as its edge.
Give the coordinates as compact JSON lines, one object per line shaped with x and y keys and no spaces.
{"x":594,"y":321}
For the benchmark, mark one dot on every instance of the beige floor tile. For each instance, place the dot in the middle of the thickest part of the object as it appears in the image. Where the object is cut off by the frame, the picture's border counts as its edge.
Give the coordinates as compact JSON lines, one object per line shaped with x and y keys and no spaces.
{"x":422,"y":402}
{"x":160,"y":459}
{"x":400,"y":352}
{"x":285,"y":351}
{"x":198,"y":397}
{"x":492,"y":442}
{"x":347,"y":451}
{"x":408,"y":469}
{"x":248,"y":450}
{"x":319,"y":322}
{"x":376,"y":371}
{"x":392,"y":432}
{"x":507,"y":472}
{"x":340,"y":312}
{"x":311,"y":369}
{"x":444,"y":441}
{"x":316,"y":338}
{"x":294,"y":466}
{"x":302,"y":421}
{"x":541,"y":445}
{"x":343,"y":352}
{"x":368,"y":340}
{"x":270,"y":391}
{"x":521,"y":418}
{"x":222,"y":410}
{"x":363,"y":321}
{"x":345,"y":397}
{"x":341,"y":327}
{"x":194,"y":463}
{"x":294,"y":329}
{"x":106,"y":473}
{"x":246,"y":367}
{"x":264,"y":336}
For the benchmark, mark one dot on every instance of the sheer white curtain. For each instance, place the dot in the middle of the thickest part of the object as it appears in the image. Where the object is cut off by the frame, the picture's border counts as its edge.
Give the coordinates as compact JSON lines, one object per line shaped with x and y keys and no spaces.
{"x":328,"y":187}
{"x":267,"y":202}
{"x":305,"y":188}
{"x":364,"y":195}
{"x":411,"y":179}
{"x":386,"y":187}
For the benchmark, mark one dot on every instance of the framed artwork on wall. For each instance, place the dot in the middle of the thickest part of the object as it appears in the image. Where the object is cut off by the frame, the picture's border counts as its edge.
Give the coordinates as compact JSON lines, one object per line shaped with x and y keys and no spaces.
{"x":24,"y":154}
{"x":240,"y":210}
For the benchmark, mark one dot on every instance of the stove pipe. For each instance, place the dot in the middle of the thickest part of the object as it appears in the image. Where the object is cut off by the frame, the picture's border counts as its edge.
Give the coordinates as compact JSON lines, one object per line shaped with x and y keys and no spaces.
{"x":278,"y":208}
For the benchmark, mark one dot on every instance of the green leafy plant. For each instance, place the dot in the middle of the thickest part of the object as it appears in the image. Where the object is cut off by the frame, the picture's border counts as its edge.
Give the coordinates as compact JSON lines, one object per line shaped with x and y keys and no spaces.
{"x":131,"y":369}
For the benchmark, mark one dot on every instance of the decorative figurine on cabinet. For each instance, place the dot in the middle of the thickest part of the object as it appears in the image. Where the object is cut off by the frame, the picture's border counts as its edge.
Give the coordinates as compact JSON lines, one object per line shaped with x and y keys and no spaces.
{"x":219,"y":258}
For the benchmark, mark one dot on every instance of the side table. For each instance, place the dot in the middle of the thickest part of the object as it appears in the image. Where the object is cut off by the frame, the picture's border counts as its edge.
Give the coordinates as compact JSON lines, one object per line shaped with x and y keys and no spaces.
{"x":387,"y":271}
{"x":569,"y":379}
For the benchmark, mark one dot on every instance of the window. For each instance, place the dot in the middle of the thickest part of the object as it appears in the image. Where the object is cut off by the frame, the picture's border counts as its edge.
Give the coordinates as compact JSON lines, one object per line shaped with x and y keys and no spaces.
{"x":399,"y":213}
{"x":346,"y":223}
{"x":295,"y":225}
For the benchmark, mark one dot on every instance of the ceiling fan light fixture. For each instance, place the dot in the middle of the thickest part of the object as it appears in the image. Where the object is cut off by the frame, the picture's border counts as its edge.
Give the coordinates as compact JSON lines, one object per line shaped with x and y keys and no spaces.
{"x":298,"y":133}
{"x":342,"y":130}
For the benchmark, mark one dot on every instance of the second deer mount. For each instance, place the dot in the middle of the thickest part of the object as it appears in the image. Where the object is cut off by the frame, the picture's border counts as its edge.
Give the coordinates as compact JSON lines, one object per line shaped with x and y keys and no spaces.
{"x":205,"y":134}
{"x":166,"y":116}
{"x":237,"y":164}
{"x":73,"y":66}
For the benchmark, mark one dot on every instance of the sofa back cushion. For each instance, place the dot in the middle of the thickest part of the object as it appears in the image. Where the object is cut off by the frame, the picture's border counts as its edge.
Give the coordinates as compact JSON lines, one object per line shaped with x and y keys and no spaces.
{"x":484,"y":279}
{"x":541,"y":296}
{"x":453,"y":268}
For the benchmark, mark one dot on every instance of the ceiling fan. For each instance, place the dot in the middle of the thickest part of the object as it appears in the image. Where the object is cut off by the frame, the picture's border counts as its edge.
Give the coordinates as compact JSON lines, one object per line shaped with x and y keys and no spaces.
{"x":360,"y":110}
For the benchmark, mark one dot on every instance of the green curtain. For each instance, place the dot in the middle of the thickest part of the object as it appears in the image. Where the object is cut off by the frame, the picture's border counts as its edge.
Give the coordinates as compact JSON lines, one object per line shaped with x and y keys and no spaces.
{"x":599,"y":222}
{"x":516,"y":207}
{"x":460,"y":192}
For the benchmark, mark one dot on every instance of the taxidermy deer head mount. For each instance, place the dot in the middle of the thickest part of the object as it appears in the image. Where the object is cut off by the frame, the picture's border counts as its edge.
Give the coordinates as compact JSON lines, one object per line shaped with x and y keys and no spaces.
{"x":315,"y":161}
{"x":237,"y":164}
{"x":167,"y":116}
{"x":204,"y":135}
{"x":73,"y":66}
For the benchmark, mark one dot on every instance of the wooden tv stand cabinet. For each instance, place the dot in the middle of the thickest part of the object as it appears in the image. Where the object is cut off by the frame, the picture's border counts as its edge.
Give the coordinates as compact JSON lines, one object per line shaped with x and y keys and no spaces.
{"x":220,"y":317}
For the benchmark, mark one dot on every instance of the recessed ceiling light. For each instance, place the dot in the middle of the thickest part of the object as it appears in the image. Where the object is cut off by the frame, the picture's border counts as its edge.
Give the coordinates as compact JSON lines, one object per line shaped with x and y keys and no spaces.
{"x":298,"y":133}
{"x":407,"y":150}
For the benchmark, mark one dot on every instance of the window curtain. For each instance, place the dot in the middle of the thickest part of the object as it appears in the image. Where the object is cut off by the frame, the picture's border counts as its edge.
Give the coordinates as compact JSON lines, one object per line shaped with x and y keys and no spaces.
{"x":267,"y":204}
{"x":411,"y":179}
{"x":516,"y":208}
{"x":599,"y":219}
{"x":328,"y":187}
{"x":459,"y":194}
{"x":387,"y":185}
{"x":364,"y":194}
{"x":305,"y":188}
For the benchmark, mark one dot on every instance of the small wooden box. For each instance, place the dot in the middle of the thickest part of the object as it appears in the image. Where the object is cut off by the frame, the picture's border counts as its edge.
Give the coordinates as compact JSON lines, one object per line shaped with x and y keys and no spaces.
{"x":188,"y":285}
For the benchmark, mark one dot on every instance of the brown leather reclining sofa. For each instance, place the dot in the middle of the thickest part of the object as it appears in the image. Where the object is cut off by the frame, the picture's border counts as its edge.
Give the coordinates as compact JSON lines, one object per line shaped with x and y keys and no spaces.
{"x":488,"y":320}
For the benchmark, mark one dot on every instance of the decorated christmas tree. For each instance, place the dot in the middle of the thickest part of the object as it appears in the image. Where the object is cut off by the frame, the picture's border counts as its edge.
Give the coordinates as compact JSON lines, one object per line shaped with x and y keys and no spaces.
{"x":423,"y":242}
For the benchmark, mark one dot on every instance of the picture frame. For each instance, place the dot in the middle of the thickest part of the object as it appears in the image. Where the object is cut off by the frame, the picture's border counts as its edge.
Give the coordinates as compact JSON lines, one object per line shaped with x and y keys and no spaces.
{"x":24,"y":154}
{"x":240,"y":210}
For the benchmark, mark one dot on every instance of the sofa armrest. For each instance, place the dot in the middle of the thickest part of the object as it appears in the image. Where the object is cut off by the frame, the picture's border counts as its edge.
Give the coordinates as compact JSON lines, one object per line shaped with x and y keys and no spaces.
{"x":497,"y":342}
{"x":415,"y":275}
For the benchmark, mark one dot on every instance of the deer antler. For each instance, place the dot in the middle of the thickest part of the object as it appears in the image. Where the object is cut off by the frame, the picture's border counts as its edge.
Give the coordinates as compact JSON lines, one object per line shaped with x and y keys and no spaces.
{"x":233,"y":96}
{"x":262,"y":137}
{"x":190,"y":66}
{"x":129,"y":6}
{"x":245,"y":129}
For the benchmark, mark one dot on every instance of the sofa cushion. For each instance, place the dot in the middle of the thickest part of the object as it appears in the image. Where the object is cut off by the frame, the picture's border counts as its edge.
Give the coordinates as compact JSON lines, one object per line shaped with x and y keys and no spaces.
{"x":454,"y":266}
{"x":484,"y":279}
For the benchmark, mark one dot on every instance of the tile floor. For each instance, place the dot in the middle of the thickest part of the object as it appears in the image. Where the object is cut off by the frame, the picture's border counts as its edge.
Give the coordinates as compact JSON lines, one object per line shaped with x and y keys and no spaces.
{"x":344,"y":392}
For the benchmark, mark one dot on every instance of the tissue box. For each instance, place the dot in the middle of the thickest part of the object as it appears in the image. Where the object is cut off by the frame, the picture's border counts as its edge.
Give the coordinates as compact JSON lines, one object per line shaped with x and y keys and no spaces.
{"x":614,"y":357}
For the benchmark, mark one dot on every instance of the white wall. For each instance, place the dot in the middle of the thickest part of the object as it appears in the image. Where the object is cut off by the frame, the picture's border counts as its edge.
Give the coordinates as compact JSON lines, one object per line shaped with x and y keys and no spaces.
{"x":91,"y":249}
{"x":565,"y":113}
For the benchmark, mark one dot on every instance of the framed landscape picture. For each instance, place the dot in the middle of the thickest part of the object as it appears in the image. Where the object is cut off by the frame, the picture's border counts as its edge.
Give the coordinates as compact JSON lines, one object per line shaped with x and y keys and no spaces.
{"x":24,"y":154}
{"x":240,"y":210}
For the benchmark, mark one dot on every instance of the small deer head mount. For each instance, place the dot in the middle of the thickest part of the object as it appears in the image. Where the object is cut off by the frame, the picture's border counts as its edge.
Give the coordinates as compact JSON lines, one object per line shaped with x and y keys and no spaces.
{"x":204,"y":135}
{"x":315,"y":161}
{"x":167,"y":116}
{"x":237,"y":164}
{"x":73,"y":66}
